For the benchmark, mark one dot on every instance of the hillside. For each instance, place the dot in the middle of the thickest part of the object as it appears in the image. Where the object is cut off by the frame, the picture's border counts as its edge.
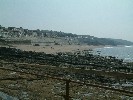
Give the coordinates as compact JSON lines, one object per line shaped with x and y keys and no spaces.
{"x":20,"y":36}
{"x":91,"y":40}
{"x":122,"y":42}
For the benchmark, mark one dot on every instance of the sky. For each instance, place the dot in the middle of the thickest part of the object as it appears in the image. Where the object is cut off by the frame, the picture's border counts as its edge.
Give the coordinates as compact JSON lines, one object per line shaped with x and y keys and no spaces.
{"x":100,"y":18}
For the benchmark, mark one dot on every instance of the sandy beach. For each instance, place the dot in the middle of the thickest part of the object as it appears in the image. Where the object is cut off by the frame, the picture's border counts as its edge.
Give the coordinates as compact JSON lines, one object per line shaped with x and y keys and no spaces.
{"x":56,"y":48}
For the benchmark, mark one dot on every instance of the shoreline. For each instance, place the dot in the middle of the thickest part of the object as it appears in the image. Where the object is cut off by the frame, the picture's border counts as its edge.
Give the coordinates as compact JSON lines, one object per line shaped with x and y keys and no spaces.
{"x":52,"y":49}
{"x":76,"y":68}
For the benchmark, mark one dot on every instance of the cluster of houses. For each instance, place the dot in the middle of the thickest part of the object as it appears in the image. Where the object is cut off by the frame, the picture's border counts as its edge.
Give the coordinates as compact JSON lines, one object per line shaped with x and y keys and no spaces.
{"x":21,"y":32}
{"x":15,"y":32}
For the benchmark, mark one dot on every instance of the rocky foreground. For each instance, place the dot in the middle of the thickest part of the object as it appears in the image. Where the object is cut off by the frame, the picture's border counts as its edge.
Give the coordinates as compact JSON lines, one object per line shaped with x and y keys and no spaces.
{"x":20,"y":75}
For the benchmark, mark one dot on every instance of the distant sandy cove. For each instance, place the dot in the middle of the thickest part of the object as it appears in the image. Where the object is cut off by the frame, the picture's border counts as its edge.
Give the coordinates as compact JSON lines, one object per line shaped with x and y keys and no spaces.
{"x":56,"y":48}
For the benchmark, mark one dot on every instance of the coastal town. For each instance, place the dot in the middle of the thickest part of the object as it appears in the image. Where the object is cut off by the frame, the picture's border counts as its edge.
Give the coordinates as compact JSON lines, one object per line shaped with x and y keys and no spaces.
{"x":56,"y":68}
{"x":66,"y":50}
{"x":13,"y":35}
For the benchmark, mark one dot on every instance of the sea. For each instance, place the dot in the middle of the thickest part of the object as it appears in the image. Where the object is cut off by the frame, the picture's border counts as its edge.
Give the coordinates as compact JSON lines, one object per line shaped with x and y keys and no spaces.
{"x":120,"y":52}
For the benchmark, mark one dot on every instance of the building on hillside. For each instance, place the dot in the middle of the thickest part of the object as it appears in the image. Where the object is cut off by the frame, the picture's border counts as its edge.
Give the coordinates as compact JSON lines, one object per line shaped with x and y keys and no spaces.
{"x":11,"y":28}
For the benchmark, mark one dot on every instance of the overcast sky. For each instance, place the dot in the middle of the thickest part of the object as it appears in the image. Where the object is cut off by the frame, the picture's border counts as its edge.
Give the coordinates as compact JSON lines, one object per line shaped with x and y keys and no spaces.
{"x":100,"y":18}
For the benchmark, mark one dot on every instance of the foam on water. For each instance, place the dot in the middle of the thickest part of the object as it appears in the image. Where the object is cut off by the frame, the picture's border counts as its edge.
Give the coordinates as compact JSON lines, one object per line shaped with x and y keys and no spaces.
{"x":125,"y":53}
{"x":128,"y":46}
{"x":108,"y":47}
